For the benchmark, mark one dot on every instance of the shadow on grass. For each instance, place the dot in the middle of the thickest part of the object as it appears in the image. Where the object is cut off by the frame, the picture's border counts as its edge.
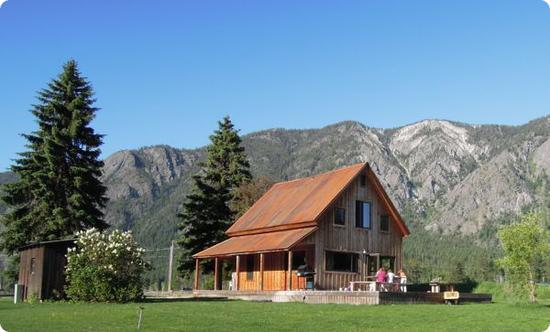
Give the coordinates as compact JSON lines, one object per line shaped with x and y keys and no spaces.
{"x":186,"y":299}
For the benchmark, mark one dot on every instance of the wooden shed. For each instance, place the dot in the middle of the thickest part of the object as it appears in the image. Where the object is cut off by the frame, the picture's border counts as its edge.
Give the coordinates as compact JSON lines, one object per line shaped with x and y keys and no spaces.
{"x":42,"y":269}
{"x":341,"y":225}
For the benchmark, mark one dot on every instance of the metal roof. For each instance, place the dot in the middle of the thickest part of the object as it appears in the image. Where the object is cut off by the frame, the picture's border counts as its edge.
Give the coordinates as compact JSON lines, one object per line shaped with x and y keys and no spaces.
{"x":296,"y":203}
{"x":265,"y":242}
{"x":47,"y":243}
{"x":289,"y":211}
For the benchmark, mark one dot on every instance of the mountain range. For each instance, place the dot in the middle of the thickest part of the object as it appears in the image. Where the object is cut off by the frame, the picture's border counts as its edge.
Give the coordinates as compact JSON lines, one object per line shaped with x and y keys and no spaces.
{"x":446,"y":177}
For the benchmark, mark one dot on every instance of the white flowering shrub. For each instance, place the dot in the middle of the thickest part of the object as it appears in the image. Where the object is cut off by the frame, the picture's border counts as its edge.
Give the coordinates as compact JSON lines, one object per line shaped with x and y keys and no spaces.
{"x":105,"y":267}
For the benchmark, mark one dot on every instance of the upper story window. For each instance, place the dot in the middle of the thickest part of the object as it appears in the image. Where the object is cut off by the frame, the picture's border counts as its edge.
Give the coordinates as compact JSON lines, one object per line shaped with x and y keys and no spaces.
{"x":363,"y":214}
{"x":384,"y":223}
{"x":362,"y":180}
{"x":339,"y":216}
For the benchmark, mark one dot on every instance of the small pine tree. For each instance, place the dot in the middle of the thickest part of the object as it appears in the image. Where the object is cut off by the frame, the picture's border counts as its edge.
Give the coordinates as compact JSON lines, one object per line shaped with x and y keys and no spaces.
{"x":207,"y":210}
{"x":58,"y":192}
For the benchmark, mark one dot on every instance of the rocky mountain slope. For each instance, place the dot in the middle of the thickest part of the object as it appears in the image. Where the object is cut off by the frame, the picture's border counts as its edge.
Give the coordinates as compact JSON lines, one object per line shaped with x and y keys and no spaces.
{"x":446,"y":177}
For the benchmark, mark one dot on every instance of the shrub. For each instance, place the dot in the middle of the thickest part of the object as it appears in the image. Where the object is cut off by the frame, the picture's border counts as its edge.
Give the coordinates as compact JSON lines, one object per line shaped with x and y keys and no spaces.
{"x":105,"y":267}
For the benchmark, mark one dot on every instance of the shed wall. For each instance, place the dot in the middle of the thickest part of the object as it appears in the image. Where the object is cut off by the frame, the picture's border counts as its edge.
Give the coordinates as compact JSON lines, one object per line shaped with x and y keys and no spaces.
{"x":31,"y":271}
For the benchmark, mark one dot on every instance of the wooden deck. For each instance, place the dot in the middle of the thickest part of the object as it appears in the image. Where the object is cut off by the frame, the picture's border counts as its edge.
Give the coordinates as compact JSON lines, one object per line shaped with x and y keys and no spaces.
{"x":324,"y":297}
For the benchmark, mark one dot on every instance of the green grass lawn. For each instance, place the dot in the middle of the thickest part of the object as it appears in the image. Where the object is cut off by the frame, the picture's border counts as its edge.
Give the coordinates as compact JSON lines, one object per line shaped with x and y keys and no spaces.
{"x":256,"y":316}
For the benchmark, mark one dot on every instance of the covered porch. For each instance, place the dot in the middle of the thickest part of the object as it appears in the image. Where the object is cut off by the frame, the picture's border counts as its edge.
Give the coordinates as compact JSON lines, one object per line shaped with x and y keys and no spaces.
{"x":259,"y":262}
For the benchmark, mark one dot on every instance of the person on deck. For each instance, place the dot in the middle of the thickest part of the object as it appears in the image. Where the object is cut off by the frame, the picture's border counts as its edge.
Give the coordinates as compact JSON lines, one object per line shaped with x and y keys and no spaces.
{"x":402,"y":280}
{"x":381,"y":278}
{"x":390,"y":279}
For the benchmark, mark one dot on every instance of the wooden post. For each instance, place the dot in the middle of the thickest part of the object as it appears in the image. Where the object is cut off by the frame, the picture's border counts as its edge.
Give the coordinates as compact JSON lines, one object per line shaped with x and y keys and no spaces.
{"x":261,"y":271}
{"x":216,"y":274}
{"x":289,"y":279}
{"x":170,"y":263}
{"x":197,"y":274}
{"x":237,"y":271}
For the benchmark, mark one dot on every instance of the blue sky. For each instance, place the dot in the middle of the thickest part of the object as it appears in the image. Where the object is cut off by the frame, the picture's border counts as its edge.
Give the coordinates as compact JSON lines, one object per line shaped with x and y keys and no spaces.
{"x":165,"y":71}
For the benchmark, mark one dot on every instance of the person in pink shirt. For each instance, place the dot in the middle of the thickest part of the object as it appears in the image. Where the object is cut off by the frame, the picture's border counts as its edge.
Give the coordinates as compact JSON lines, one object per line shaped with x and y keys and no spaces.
{"x":381,"y":278}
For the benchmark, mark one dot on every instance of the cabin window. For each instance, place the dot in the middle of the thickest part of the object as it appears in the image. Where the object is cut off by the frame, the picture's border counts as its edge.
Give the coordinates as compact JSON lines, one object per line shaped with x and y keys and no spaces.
{"x":298,"y":259}
{"x":363,"y":214}
{"x":33,"y":265}
{"x":339,"y":216}
{"x":341,"y":261}
{"x":384,"y":223}
{"x":249,"y":267}
{"x":362,"y":180}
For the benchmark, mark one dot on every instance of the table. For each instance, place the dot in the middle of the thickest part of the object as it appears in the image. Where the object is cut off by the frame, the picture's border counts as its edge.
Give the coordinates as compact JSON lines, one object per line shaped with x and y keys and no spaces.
{"x":371,"y":285}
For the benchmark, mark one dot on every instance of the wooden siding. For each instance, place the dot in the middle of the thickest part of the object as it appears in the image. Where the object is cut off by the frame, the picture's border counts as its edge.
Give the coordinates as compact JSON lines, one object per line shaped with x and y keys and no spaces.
{"x":31,"y":278}
{"x":349,"y":238}
{"x":53,"y":278}
{"x":275,"y":271}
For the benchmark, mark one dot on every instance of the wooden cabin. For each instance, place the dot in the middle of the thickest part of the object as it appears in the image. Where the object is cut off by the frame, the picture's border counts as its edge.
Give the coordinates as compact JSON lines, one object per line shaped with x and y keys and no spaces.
{"x":42,"y":269}
{"x":341,"y":224}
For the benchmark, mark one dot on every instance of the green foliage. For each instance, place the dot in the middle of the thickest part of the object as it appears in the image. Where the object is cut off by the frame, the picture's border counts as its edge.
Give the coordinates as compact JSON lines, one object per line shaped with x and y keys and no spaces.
{"x":58,"y":191}
{"x":248,"y":193}
{"x":526,"y":246}
{"x":207,"y":212}
{"x":105,"y":267}
{"x":9,"y":271}
{"x":451,"y":258}
{"x":500,"y":292}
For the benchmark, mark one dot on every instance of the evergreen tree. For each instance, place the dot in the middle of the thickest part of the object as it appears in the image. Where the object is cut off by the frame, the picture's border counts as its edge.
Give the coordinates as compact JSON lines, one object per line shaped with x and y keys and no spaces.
{"x":58,"y":191}
{"x":207,"y":210}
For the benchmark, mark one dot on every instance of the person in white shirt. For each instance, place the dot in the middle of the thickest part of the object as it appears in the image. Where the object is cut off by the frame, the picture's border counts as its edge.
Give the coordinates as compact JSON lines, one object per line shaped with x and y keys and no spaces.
{"x":390,"y":276}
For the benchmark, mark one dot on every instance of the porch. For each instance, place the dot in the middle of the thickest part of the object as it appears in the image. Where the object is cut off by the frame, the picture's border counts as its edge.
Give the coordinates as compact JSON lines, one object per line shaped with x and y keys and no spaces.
{"x":255,"y":272}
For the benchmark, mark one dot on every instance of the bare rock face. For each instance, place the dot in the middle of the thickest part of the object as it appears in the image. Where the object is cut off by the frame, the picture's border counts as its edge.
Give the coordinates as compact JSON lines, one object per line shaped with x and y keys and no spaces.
{"x":140,"y":179}
{"x":541,"y":157}
{"x":493,"y":189}
{"x":437,"y":155}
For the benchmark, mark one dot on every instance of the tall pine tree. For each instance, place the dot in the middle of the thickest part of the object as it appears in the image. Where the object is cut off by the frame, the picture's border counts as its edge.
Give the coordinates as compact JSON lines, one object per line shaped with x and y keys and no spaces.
{"x":58,"y":191}
{"x":207,"y":211}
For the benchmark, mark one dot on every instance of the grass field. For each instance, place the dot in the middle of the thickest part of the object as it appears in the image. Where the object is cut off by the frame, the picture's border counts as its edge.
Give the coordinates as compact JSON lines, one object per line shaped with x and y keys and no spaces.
{"x":254,"y":316}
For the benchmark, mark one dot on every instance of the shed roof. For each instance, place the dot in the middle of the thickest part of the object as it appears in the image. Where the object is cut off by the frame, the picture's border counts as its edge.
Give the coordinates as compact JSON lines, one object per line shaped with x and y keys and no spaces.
{"x":66,"y":242}
{"x":265,"y":242}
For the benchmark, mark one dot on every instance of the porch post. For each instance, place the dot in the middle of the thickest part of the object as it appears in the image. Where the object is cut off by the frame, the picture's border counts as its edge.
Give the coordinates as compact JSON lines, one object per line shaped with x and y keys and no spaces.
{"x":262,"y":271}
{"x":197,"y":274}
{"x":216,"y":274}
{"x":237,"y":271}
{"x":289,"y":279}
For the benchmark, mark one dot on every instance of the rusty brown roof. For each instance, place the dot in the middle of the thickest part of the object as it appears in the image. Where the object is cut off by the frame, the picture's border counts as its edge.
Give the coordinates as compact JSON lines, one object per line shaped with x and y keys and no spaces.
{"x":265,"y":242}
{"x":296,"y":203}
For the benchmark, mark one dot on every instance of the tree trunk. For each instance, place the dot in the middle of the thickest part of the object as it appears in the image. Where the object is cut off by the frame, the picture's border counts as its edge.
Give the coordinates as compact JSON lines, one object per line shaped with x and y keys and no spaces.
{"x":532,"y":288}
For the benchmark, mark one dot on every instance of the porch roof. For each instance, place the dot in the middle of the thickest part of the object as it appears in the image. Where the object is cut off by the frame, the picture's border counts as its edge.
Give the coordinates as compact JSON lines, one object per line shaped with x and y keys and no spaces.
{"x":256,"y":243}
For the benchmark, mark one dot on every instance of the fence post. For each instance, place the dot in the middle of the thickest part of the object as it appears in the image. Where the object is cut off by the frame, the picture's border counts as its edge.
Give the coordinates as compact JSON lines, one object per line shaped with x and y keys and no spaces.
{"x":170,"y":263}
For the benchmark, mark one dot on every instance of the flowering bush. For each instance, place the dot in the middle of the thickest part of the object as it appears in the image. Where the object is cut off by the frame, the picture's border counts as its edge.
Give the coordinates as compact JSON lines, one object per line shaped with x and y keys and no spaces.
{"x":105,"y":267}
